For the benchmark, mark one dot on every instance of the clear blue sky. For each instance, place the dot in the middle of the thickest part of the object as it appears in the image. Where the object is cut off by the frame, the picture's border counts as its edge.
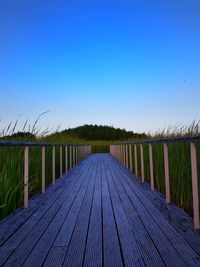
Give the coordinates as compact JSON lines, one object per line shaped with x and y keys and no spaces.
{"x":130,"y":64}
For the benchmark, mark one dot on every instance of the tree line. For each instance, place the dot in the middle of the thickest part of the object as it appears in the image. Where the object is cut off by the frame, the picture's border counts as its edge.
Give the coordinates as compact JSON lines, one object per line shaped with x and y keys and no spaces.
{"x":101,"y":132}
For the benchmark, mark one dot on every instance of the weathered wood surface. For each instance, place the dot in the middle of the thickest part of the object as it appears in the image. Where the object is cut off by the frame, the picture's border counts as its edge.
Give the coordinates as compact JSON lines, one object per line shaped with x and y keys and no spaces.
{"x":99,"y":214}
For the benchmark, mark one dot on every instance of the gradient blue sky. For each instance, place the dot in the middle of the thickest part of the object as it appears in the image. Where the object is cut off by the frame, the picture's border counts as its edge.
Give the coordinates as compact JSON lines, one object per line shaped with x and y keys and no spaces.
{"x":130,"y":64}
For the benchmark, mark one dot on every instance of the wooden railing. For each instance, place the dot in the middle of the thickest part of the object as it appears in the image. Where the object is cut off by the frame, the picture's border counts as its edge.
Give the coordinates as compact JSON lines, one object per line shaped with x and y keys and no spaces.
{"x":123,"y":153}
{"x":76,"y":153}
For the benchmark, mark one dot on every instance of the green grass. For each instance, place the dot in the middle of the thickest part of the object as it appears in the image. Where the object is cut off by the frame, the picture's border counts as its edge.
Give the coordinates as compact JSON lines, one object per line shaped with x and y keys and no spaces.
{"x":179,"y":165}
{"x":98,"y":146}
{"x":12,"y":167}
{"x":12,"y":172}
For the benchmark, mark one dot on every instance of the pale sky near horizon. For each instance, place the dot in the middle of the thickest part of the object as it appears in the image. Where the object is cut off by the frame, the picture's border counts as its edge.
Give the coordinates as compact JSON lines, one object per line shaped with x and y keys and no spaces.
{"x":130,"y":64}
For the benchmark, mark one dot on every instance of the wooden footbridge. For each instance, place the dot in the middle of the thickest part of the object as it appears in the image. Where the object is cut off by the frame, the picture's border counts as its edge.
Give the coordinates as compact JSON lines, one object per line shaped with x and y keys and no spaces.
{"x":99,"y":214}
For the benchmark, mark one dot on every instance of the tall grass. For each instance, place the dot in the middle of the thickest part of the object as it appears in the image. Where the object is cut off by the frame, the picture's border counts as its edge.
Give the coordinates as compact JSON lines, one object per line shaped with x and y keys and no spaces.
{"x":12,"y":161}
{"x":12,"y":173}
{"x":12,"y":165}
{"x":179,"y":164}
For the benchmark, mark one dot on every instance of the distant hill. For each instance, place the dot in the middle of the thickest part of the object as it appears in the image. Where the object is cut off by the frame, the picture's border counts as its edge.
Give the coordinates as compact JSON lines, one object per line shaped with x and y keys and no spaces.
{"x":85,"y":132}
{"x":100,"y":132}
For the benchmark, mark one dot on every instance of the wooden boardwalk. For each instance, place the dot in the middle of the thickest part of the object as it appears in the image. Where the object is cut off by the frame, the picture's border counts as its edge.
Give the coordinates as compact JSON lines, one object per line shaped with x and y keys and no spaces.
{"x":99,"y":215}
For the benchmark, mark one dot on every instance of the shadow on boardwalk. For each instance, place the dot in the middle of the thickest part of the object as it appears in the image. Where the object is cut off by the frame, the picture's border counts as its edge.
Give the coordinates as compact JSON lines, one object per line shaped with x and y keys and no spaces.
{"x":99,"y":215}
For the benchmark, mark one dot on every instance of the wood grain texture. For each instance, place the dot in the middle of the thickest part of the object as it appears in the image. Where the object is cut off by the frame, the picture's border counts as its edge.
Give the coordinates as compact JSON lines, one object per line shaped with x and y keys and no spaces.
{"x":76,"y":249}
{"x":93,"y":251}
{"x":99,"y":214}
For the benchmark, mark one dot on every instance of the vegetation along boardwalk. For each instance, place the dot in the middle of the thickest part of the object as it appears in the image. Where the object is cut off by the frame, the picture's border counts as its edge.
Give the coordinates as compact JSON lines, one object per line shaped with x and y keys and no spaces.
{"x":99,"y":214}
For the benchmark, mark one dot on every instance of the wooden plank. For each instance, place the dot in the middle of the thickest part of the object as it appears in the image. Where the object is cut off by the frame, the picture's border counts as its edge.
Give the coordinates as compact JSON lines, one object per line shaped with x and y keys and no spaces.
{"x":163,"y":233}
{"x":107,"y":217}
{"x":61,"y":226}
{"x":146,"y":246}
{"x":76,"y":249}
{"x":22,"y":232}
{"x":15,"y":220}
{"x":56,"y":257}
{"x":19,"y":256}
{"x":27,"y":224}
{"x":5,"y":251}
{"x":111,"y":246}
{"x":68,"y":224}
{"x":130,"y":250}
{"x":175,"y":216}
{"x":93,"y":251}
{"x":10,"y":224}
{"x":162,"y":244}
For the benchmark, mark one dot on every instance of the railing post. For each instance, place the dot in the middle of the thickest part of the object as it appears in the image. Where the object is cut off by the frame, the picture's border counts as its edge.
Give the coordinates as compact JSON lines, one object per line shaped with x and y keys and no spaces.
{"x":73,"y":156}
{"x":80,"y":149}
{"x":66,"y":159}
{"x":118,"y":153}
{"x":126,"y":156}
{"x":130,"y":155}
{"x":61,"y":158}
{"x":142,"y":162}
{"x":53,"y":165}
{"x":195,"y":195}
{"x":135,"y":157}
{"x":70,"y":156}
{"x":167,"y":183}
{"x":76,"y":155}
{"x":43,"y":169}
{"x":151,"y":167}
{"x":26,"y":176}
{"x":122,"y":155}
{"x":124,"y":152}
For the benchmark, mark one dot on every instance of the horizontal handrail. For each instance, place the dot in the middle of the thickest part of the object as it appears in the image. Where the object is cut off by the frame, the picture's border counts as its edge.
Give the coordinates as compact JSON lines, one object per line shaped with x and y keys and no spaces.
{"x":74,"y":153}
{"x":162,"y":140}
{"x":123,"y":152}
{"x":18,"y":143}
